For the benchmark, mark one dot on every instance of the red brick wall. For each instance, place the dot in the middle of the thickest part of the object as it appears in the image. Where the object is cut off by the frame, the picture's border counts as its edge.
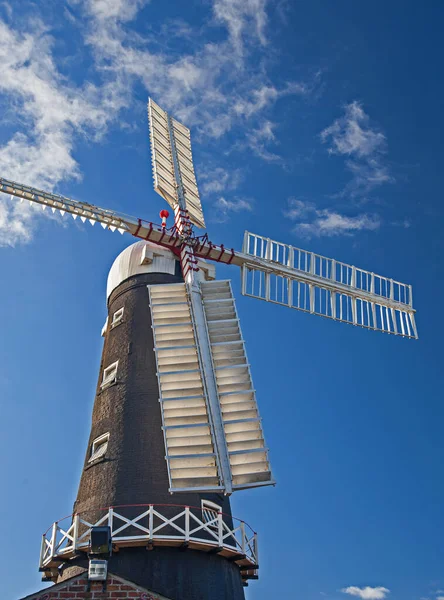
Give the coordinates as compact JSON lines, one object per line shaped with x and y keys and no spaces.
{"x":116,"y":589}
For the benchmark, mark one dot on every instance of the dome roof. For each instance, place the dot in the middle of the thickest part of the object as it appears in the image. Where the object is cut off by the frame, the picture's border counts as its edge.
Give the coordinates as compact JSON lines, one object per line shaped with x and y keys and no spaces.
{"x":141,"y":257}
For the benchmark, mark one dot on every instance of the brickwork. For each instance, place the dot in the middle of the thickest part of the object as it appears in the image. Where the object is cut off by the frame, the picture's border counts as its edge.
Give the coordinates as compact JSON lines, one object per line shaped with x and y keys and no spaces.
{"x":76,"y":588}
{"x":134,"y":470}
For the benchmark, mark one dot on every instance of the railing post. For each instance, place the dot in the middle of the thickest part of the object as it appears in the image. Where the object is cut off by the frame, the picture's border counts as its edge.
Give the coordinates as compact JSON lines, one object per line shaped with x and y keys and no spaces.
{"x":53,"y":539}
{"x":42,"y":550}
{"x":256,"y":555}
{"x":242,"y":528}
{"x":75,"y":534}
{"x":187,"y":523}
{"x":151,"y":522}
{"x":219,"y":530}
{"x":111,"y":519}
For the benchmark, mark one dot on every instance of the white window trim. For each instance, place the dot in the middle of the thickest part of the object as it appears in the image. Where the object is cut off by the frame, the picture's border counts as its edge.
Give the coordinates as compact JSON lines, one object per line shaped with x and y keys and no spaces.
{"x":117,"y":317}
{"x":105,"y":327}
{"x":99,"y":447}
{"x":107,"y":380}
{"x":208,"y":508}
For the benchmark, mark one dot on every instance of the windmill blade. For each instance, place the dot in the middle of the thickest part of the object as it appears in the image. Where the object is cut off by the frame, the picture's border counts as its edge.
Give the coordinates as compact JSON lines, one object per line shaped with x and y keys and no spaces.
{"x":208,"y":447}
{"x":172,"y":160}
{"x":94,"y":214}
{"x":285,"y":275}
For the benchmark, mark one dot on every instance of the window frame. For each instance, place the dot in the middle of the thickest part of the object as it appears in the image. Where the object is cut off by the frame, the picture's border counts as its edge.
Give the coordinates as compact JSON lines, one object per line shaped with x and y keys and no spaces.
{"x":117,"y":317}
{"x":208,"y":505}
{"x":97,"y":443}
{"x":105,"y":382}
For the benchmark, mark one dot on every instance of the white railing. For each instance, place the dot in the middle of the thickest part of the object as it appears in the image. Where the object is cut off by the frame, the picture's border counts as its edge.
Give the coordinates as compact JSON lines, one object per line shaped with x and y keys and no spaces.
{"x":167,"y":524}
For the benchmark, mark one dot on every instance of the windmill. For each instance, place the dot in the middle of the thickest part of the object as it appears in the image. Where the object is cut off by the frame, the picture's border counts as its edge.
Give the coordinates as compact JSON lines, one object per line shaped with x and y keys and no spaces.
{"x":213,"y":443}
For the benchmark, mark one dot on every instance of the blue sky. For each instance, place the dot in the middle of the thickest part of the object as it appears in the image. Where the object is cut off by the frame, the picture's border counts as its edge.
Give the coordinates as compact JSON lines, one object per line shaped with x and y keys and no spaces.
{"x":316,"y":124}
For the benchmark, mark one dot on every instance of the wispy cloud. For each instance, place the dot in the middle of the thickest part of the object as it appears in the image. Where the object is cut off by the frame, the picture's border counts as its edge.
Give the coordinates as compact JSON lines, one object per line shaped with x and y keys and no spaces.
{"x":216,"y":183}
{"x":364,"y":146}
{"x":243,"y":19}
{"x":111,"y":10}
{"x":258,"y":140}
{"x":226,"y":208}
{"x":266,"y":95}
{"x":207,"y":87}
{"x":367,"y":593}
{"x":315,"y":222}
{"x":217,"y":179}
{"x":52,"y":113}
{"x":215,"y":87}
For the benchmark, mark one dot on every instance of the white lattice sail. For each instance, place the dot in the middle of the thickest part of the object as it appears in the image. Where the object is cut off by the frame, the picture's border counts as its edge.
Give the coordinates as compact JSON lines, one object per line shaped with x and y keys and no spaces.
{"x":172,"y":161}
{"x":247,"y":452}
{"x":192,"y":455}
{"x":312,"y":283}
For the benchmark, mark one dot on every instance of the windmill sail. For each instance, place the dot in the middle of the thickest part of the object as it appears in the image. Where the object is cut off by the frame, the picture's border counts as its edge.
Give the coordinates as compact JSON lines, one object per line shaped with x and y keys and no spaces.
{"x":191,"y":449}
{"x":312,"y":283}
{"x":173,"y":169}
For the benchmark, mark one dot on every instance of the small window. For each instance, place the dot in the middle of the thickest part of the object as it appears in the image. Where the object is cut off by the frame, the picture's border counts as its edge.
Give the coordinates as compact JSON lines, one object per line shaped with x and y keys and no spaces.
{"x":99,"y":447}
{"x":117,"y":317}
{"x":210,"y":511}
{"x":110,"y":375}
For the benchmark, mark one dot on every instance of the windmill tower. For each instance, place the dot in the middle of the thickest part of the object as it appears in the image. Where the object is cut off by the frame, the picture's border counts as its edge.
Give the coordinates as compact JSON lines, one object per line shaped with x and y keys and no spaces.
{"x":175,"y":426}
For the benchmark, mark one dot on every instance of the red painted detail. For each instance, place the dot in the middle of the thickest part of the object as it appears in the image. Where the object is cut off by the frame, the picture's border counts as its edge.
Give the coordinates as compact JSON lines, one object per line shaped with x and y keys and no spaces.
{"x":231,"y":257}
{"x":162,"y":236}
{"x":222,"y":250}
{"x":138,"y":227}
{"x":164,"y":214}
{"x":209,"y":249}
{"x":149,"y":232}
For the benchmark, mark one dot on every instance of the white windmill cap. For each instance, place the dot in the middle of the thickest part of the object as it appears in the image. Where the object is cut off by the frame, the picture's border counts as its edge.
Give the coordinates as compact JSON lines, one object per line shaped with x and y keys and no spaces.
{"x":141,"y":257}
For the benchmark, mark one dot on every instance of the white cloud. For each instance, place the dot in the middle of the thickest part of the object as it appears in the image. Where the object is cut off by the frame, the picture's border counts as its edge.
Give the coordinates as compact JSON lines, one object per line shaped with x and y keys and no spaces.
{"x":236,"y":205}
{"x":257,"y":140}
{"x":52,"y":113}
{"x":15,"y":223}
{"x":113,"y":10}
{"x":298,"y":209}
{"x":218,"y":179}
{"x":266,"y":95}
{"x":353,"y":136}
{"x":315,"y":222}
{"x":405,"y":224}
{"x":330,"y":223}
{"x":238,"y":16}
{"x":226,"y":208}
{"x":207,"y":87}
{"x":367,"y":593}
